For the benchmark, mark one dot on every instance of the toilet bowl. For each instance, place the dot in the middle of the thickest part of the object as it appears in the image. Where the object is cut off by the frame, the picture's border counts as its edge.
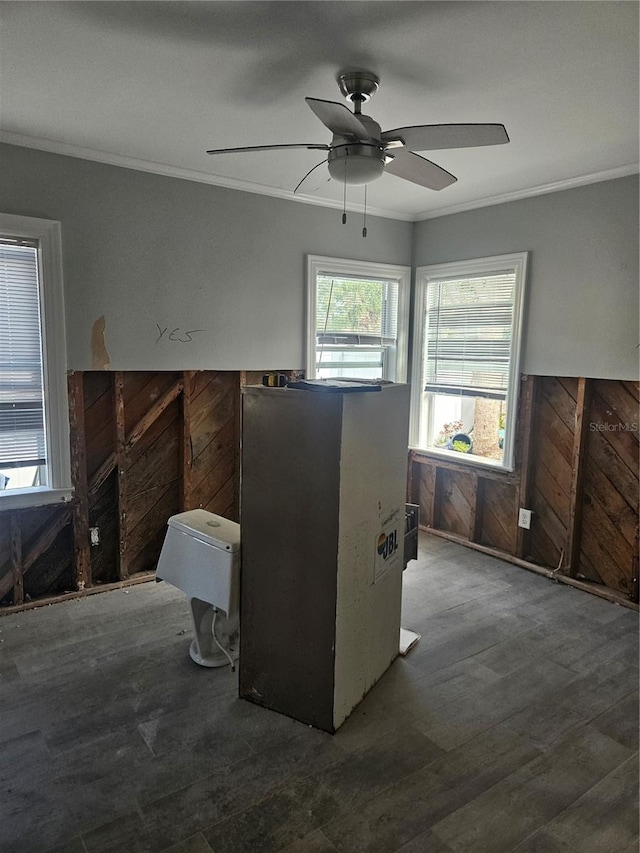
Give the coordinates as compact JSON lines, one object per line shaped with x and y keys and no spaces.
{"x":201,"y":556}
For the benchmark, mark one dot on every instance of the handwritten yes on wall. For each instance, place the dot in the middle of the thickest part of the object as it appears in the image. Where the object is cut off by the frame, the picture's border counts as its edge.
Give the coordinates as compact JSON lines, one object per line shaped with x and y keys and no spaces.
{"x":177,"y":335}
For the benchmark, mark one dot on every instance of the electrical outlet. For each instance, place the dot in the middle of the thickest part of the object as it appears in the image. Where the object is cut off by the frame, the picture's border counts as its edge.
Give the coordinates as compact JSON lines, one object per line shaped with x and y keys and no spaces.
{"x":94,"y":532}
{"x":524,"y":519}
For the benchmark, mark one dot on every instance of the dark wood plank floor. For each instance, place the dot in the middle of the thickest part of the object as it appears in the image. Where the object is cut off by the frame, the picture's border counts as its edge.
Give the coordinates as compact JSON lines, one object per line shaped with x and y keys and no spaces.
{"x":511,"y":726}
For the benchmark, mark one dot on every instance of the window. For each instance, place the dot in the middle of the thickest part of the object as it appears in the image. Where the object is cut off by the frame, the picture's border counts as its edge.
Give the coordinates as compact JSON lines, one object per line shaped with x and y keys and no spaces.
{"x":34,"y":428}
{"x":467,"y":328}
{"x":357,"y":319}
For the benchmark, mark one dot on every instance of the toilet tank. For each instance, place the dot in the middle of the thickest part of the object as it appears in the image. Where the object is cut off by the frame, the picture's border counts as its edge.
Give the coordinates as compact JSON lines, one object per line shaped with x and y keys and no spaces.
{"x":201,"y":556}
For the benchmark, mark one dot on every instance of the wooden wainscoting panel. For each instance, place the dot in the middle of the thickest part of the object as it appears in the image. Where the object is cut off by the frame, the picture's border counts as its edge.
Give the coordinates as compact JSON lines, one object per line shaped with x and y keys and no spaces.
{"x":142,"y":452}
{"x":456,"y":497}
{"x":499,"y":516}
{"x":103,"y":514}
{"x":554,"y":424}
{"x":215,"y":443}
{"x":608,"y":543}
{"x":98,"y":418}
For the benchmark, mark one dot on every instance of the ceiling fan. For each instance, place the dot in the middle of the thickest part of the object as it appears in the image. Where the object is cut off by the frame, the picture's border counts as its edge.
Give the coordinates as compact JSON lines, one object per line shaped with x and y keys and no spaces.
{"x":361,"y":151}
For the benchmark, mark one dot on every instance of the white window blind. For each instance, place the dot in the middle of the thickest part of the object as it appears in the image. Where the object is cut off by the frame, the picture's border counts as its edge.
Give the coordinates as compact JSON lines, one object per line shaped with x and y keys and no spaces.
{"x":468,"y":331}
{"x":22,"y":433}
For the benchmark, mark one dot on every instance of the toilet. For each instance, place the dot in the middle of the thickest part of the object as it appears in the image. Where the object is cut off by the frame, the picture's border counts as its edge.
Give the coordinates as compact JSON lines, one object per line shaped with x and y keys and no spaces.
{"x":201,"y":556}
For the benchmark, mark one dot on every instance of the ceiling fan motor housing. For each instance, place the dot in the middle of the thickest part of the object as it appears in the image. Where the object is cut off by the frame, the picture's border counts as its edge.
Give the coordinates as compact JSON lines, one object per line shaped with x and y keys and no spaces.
{"x":356,"y":163}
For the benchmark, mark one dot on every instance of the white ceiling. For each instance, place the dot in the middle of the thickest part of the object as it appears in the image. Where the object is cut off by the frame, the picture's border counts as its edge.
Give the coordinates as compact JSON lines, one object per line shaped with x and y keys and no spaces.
{"x":154,"y":84}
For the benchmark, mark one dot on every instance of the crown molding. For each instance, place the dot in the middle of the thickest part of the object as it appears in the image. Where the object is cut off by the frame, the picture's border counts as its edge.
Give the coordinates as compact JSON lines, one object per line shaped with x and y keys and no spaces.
{"x":531,"y":192}
{"x":139,"y":165}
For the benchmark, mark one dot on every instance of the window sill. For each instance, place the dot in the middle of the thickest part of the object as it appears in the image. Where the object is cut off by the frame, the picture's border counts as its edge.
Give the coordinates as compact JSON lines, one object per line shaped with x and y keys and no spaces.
{"x":451,"y":459}
{"x":39,"y":496}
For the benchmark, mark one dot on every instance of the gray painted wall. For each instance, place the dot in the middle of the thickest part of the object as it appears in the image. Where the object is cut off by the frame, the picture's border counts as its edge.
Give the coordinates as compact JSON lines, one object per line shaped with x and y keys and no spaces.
{"x":143,"y":249}
{"x":581,"y":315}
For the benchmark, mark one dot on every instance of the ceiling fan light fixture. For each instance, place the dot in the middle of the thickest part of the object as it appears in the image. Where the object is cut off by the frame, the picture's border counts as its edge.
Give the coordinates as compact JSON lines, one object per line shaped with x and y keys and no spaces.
{"x":356,"y":164}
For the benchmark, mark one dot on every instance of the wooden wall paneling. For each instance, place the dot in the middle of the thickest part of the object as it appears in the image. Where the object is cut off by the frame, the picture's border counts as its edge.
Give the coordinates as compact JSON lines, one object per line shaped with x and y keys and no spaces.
{"x":455,"y":499}
{"x":81,"y":547}
{"x":103,"y":514}
{"x":47,"y":550}
{"x":214,"y":467}
{"x":610,"y":504}
{"x":525,"y":452}
{"x":98,"y":419}
{"x":476,"y":507}
{"x":215,"y":442}
{"x":153,"y":413}
{"x":499,"y":515}
{"x":6,"y":569}
{"x":554,"y":424}
{"x":121,"y":463}
{"x":427,"y":493}
{"x":153,"y":488}
{"x":39,"y":529}
{"x":577,"y":477}
{"x":186,"y":462}
{"x":16,"y":559}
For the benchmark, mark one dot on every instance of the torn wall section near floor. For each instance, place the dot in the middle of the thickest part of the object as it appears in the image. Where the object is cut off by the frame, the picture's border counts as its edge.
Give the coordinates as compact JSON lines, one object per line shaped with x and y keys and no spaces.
{"x":144,"y":445}
{"x":576,"y":469}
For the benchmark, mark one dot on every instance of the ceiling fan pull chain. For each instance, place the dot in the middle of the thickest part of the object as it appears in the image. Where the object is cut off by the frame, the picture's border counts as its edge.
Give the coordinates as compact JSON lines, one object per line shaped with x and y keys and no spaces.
{"x":344,"y":196}
{"x":364,"y":224}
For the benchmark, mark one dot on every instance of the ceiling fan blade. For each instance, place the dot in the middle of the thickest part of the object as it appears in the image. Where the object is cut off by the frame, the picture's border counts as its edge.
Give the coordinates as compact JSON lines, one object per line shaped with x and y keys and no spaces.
{"x":338,"y":118}
{"x":320,"y":147}
{"x":412,"y":167}
{"x":431,"y":137}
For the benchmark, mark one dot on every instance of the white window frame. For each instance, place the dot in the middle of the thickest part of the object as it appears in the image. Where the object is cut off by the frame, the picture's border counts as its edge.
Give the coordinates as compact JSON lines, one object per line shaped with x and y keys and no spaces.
{"x":317,"y":264}
{"x":54,"y":356}
{"x":516,"y":261}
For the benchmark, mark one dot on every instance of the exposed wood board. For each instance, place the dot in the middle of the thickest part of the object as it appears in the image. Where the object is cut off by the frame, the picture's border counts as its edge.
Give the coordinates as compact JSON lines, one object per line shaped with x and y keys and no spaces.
{"x":598,"y":487}
{"x":476,"y":497}
{"x":426,"y":497}
{"x":209,"y":412}
{"x":121,"y":458}
{"x":160,"y":444}
{"x":81,"y":555}
{"x":101,"y":475}
{"x":223,"y":498}
{"x":103,"y":514}
{"x":606,"y":549}
{"x":155,"y":521}
{"x":587,"y":569}
{"x":526,"y":448}
{"x":602,"y":452}
{"x":498,"y":524}
{"x":212,"y":477}
{"x":98,"y":418}
{"x":552,"y":430}
{"x":153,"y":413}
{"x":622,"y":440}
{"x":577,"y":476}
{"x":455,"y":502}
{"x":620,"y":400}
{"x":186,"y":441}
{"x":547,"y":524}
{"x":16,"y":559}
{"x":555,"y":394}
{"x":141,"y":391}
{"x":548,"y":491}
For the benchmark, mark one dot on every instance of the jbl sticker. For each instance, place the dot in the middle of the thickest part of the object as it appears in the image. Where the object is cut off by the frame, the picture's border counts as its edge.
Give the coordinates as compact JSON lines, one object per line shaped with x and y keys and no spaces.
{"x":387,"y":549}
